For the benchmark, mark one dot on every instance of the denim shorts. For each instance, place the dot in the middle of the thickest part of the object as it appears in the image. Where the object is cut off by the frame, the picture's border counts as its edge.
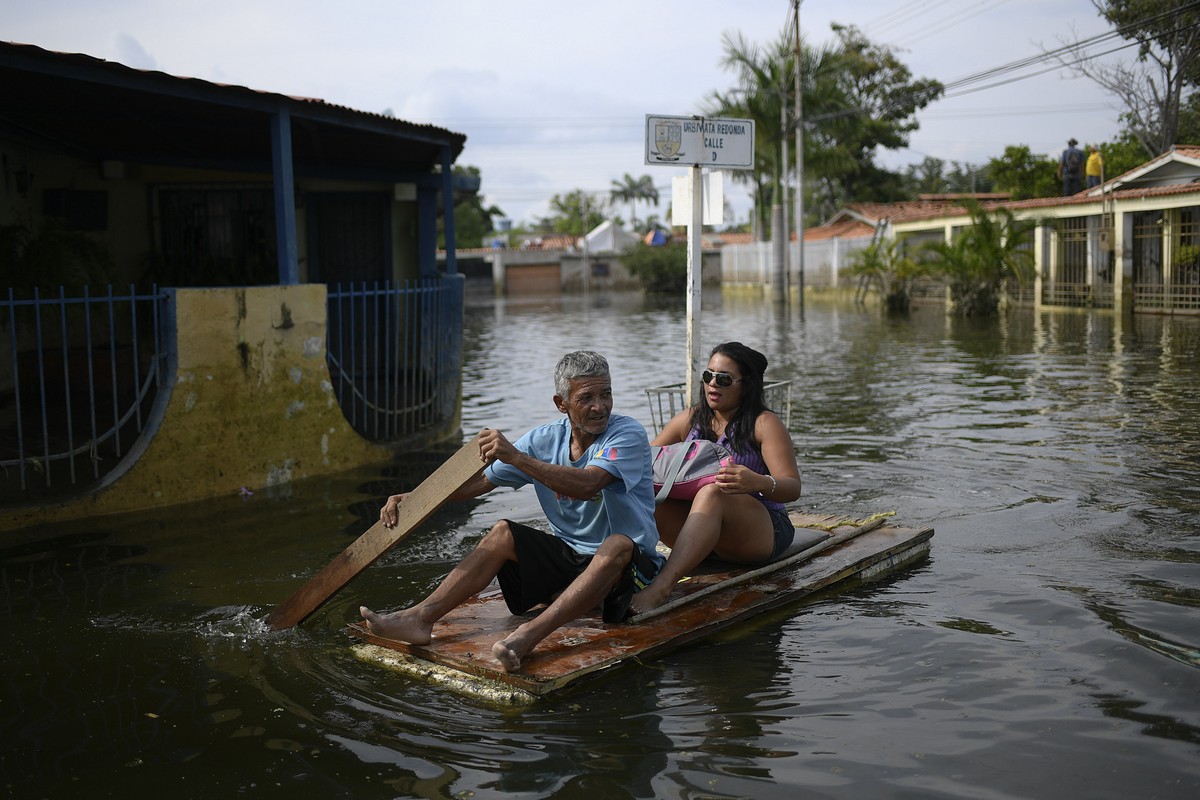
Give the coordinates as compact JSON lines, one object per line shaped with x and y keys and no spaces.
{"x":785,"y":532}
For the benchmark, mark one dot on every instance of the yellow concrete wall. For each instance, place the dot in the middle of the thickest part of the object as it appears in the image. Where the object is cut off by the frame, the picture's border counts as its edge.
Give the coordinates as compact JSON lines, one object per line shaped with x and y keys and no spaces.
{"x":251,"y":406}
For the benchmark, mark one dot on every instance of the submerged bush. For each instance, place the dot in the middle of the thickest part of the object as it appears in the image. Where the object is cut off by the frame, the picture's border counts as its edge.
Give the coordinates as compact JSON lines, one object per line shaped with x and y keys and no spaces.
{"x":997,"y":247}
{"x":661,"y":269}
{"x":884,"y":265}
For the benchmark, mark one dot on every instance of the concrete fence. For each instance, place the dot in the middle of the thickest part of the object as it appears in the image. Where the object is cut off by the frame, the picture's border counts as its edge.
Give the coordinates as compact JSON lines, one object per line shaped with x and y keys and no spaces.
{"x":825,"y":262}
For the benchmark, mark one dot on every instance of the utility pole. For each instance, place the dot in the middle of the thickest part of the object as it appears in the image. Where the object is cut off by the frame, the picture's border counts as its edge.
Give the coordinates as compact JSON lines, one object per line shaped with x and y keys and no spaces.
{"x":782,"y":292}
{"x":799,"y":156}
{"x":587,"y":266}
{"x":779,"y":237}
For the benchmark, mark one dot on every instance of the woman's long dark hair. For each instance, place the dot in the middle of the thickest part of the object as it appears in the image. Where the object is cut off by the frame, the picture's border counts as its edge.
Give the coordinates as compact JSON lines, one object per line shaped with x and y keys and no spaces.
{"x":740,"y":430}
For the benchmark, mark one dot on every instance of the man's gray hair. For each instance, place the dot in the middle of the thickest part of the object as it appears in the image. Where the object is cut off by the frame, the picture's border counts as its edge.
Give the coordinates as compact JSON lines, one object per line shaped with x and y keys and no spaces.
{"x":579,"y":364}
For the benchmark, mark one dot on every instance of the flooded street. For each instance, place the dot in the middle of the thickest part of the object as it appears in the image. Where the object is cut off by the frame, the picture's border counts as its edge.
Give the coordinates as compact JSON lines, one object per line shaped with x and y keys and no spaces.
{"x":1048,"y":648}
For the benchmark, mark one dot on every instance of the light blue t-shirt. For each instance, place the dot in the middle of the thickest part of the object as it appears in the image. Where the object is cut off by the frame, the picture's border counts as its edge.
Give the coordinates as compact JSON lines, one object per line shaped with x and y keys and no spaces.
{"x":624,"y":506}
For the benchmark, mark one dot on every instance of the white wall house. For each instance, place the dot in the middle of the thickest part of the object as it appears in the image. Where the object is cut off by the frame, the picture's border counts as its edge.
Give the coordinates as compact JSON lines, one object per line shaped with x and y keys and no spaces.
{"x":1131,"y":243}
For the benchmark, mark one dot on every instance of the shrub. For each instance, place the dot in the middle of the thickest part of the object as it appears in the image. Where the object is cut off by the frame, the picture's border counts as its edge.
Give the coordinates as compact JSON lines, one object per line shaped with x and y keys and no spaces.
{"x":976,"y":263}
{"x":883,"y":264}
{"x":52,"y":256}
{"x":661,"y":269}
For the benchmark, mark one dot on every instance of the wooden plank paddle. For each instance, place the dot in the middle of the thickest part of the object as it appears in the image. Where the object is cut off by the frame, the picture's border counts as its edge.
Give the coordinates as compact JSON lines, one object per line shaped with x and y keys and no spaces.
{"x":377,"y":540}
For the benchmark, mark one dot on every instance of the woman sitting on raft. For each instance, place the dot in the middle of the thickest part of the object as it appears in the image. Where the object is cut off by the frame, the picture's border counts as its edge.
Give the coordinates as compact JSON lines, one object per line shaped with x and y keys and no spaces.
{"x":739,"y":518}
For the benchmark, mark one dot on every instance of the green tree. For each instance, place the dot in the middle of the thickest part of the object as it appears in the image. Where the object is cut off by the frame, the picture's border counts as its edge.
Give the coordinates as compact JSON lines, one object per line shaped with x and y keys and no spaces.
{"x":574,"y":213}
{"x":964,"y":178}
{"x":927,"y":177}
{"x":1155,"y":87}
{"x":865,"y":100}
{"x":1189,"y":120}
{"x":764,"y":77}
{"x":1122,"y":155}
{"x":858,"y":98}
{"x":472,"y":221}
{"x":994,"y":248}
{"x":631,"y":190}
{"x":934,"y":176}
{"x":875,"y":184}
{"x":1022,"y":174}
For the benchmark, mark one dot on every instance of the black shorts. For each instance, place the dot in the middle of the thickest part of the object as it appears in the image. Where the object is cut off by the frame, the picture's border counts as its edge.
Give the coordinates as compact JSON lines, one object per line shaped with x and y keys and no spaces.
{"x":546,"y":565}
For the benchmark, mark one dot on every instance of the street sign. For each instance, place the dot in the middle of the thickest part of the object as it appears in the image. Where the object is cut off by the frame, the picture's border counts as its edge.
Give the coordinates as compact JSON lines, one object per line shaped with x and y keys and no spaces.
{"x":697,"y":141}
{"x":713,"y":202}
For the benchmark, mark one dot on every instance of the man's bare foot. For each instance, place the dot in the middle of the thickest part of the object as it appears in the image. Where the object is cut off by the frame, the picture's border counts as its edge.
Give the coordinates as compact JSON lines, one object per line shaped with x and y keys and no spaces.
{"x":649,"y":599}
{"x":508,"y":658}
{"x":403,"y":626}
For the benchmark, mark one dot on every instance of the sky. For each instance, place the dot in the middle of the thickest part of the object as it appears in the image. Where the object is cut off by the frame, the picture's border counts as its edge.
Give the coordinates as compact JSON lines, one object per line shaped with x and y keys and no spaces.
{"x":553,"y":96}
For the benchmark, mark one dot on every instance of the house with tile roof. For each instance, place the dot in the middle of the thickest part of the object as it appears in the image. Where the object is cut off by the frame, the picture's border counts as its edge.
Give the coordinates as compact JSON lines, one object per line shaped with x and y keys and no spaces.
{"x":550,"y":264}
{"x":242,"y":276}
{"x":1130,"y":244}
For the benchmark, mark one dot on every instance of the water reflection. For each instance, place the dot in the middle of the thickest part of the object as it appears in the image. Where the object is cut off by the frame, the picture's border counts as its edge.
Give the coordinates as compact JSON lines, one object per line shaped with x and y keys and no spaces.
{"x":1056,"y":455}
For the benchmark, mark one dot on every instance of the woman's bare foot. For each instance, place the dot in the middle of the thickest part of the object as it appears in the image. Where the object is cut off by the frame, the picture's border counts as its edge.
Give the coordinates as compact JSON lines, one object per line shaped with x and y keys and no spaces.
{"x":403,"y":626}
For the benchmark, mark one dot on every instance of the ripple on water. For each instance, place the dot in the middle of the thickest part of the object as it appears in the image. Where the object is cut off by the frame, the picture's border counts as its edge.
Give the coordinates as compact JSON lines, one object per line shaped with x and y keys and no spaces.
{"x":1046,"y":648}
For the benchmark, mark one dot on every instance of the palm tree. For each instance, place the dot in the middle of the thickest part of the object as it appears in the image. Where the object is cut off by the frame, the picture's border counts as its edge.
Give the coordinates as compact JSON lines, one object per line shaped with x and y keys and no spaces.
{"x":764,"y":78}
{"x":976,"y":263}
{"x":630,"y":190}
{"x":858,"y":97}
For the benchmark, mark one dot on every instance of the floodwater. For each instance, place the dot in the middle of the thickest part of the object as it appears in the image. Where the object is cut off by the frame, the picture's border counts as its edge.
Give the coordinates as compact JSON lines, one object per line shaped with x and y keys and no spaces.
{"x":1048,"y":648}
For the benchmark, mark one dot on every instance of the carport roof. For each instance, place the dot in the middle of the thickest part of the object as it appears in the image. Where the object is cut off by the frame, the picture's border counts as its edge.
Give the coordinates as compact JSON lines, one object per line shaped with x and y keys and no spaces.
{"x":103,"y":110}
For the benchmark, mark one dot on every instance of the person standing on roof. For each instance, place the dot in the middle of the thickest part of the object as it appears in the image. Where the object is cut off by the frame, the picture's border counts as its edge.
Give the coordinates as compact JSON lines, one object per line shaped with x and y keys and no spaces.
{"x":1095,"y":167}
{"x":1070,"y":168}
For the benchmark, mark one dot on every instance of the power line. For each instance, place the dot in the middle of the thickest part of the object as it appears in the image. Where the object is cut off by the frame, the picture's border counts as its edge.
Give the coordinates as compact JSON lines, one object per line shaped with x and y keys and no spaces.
{"x":959,"y":87}
{"x":1051,"y":68}
{"x":1021,"y":69}
{"x":1007,"y":111}
{"x":961,"y":16}
{"x":951,"y":89}
{"x":901,"y":16}
{"x":1045,"y":56}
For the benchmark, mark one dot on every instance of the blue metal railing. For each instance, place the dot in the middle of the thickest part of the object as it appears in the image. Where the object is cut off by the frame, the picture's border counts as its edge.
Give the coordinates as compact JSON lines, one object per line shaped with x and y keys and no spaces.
{"x":79,"y":376}
{"x":395,"y":354}
{"x":83,"y":373}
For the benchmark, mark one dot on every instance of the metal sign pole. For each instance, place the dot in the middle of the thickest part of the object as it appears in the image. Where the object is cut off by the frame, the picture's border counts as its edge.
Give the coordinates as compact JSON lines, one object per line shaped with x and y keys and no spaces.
{"x":695,"y":142}
{"x":799,"y":164}
{"x":695,"y":263}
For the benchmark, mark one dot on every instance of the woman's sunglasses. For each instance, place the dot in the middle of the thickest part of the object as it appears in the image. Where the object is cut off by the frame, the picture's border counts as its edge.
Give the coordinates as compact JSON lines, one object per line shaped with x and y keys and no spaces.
{"x":722,"y":379}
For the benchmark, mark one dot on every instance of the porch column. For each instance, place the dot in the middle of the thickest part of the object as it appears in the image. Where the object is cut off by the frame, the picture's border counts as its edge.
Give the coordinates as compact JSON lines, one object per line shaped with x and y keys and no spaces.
{"x":948,"y":236}
{"x":427,"y":230}
{"x":448,"y":212}
{"x":1169,"y":248}
{"x":1093,"y":252}
{"x":1041,"y":236}
{"x":284,"y":182}
{"x":1122,"y":262}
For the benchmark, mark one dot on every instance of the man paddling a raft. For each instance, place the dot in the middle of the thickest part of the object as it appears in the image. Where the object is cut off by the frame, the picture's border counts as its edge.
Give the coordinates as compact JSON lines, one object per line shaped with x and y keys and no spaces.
{"x":591,"y":471}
